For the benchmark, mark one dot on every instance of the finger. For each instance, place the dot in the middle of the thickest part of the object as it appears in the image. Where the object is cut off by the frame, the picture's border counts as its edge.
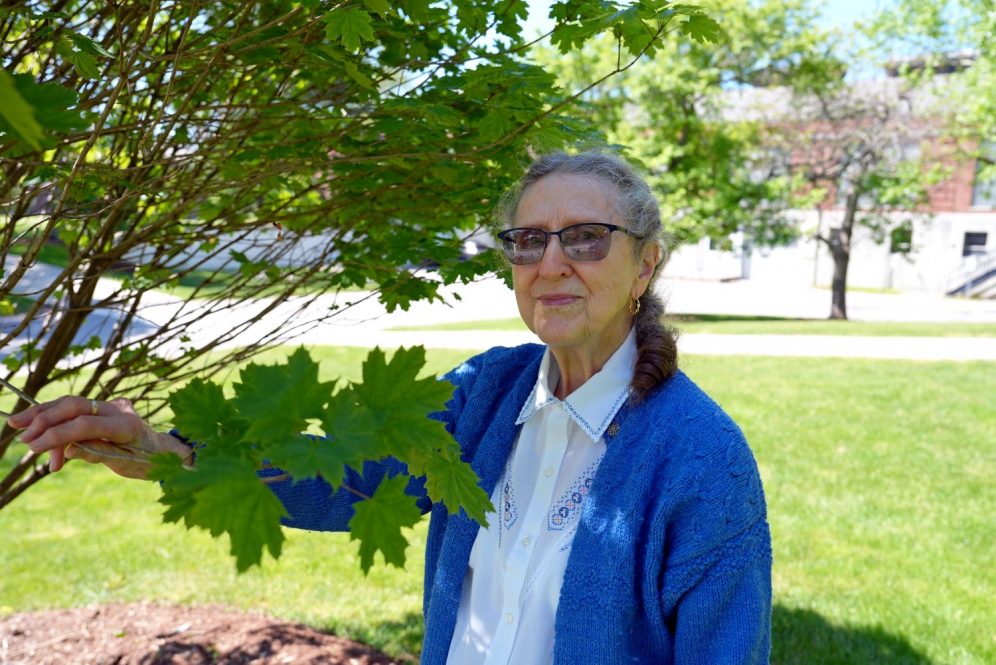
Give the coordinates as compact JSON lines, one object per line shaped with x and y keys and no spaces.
{"x":120,"y":429}
{"x":56,"y":458}
{"x":53,"y":413}
{"x":23,"y":418}
{"x":92,"y":451}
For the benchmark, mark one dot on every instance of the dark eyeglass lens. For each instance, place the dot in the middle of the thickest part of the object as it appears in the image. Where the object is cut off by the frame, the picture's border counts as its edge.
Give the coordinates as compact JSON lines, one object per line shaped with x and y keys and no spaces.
{"x":525,"y":246}
{"x":586,"y":242}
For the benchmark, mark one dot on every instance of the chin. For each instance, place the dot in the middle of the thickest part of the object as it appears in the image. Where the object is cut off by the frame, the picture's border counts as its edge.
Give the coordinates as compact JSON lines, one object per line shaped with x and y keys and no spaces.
{"x":558,"y":335}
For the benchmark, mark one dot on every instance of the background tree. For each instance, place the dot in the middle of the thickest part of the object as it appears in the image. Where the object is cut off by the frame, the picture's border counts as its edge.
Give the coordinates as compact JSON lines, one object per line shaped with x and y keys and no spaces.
{"x":953,"y":37}
{"x":290,"y":150}
{"x":862,"y":144}
{"x":775,"y":118}
{"x":683,"y":114}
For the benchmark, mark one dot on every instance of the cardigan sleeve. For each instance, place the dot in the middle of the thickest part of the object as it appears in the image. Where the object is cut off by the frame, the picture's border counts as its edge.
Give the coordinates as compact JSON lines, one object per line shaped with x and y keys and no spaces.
{"x":725,"y":615}
{"x":716,"y":587}
{"x":313,"y":505}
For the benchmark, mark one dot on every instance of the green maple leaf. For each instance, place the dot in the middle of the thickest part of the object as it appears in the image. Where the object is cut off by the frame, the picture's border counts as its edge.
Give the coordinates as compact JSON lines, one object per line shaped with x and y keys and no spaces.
{"x":495,"y":125}
{"x":635,"y":34}
{"x":305,"y":456}
{"x":223,"y":495}
{"x":278,"y":400}
{"x":248,"y":512}
{"x":455,"y":484}
{"x":703,"y":29}
{"x":381,"y":7}
{"x":177,"y":486}
{"x":378,"y":522}
{"x":17,"y":114}
{"x":359,"y":77}
{"x":356,"y":434}
{"x":351,"y":27}
{"x":84,"y":43}
{"x":393,"y":390}
{"x":204,"y":414}
{"x":394,"y":387}
{"x":51,"y":103}
{"x":84,"y":62}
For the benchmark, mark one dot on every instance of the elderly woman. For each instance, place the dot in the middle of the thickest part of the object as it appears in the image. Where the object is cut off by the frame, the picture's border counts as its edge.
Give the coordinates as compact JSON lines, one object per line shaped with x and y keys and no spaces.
{"x":630,"y":522}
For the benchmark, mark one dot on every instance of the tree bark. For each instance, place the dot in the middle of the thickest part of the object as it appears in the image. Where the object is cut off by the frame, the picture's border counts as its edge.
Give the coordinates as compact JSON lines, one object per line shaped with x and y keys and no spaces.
{"x":840,"y":248}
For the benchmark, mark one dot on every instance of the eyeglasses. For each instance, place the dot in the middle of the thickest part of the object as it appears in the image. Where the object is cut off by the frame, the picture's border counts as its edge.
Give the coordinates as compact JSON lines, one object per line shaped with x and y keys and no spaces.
{"x":580,"y":242}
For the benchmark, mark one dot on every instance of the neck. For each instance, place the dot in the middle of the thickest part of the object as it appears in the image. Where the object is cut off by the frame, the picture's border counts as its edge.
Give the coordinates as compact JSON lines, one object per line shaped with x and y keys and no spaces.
{"x":577,"y":365}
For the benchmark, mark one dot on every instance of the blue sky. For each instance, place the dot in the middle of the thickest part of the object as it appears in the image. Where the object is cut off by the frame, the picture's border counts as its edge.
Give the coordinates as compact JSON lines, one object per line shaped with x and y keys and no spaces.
{"x":837,"y":13}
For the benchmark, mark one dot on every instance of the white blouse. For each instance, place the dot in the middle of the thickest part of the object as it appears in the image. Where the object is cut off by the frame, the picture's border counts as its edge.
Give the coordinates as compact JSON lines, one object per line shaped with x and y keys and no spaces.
{"x":512,"y":587}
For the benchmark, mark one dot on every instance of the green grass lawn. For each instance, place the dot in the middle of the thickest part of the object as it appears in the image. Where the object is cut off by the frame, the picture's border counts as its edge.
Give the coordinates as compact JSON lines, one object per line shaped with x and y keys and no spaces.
{"x":879,"y":479}
{"x":209,"y":284}
{"x":761,"y":325}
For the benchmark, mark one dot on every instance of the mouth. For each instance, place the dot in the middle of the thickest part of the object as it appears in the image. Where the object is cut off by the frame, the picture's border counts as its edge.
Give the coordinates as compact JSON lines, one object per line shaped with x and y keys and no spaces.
{"x":558,"y":299}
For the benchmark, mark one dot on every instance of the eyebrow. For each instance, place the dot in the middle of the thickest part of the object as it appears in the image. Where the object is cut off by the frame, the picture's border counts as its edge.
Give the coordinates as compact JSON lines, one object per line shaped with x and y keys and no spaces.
{"x":571,"y":222}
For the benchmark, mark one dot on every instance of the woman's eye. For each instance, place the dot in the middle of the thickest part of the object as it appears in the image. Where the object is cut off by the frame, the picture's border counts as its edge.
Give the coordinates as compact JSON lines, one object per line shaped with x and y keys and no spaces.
{"x":585,"y":235}
{"x":528,"y":240}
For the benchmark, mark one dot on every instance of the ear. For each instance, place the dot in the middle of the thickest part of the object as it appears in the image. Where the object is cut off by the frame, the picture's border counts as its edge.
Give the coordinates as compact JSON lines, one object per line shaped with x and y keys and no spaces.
{"x":650,"y":258}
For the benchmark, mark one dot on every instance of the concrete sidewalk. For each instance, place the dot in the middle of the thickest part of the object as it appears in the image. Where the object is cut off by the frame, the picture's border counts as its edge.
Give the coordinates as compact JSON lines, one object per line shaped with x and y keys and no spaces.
{"x":367,"y":323}
{"x":908,"y":348}
{"x":487,"y":300}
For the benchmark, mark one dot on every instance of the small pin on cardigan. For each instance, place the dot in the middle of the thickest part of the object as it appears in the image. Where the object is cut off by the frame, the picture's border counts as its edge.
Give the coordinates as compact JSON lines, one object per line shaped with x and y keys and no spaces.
{"x":612,"y":429}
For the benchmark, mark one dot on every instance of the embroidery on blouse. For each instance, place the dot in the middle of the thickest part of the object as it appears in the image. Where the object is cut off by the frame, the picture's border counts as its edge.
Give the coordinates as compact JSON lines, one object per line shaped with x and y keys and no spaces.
{"x":530,"y":406}
{"x":568,"y":540}
{"x":509,"y":509}
{"x":596,"y":432}
{"x":566,"y":509}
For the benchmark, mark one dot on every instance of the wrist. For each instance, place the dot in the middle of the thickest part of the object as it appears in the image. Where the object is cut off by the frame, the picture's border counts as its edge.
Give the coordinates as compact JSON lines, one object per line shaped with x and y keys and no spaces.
{"x":173,"y":444}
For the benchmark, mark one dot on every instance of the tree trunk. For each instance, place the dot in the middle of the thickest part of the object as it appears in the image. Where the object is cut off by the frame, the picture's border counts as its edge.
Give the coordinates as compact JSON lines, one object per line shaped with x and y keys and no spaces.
{"x":79,"y":306}
{"x":838,"y":306}
{"x":840,"y":248}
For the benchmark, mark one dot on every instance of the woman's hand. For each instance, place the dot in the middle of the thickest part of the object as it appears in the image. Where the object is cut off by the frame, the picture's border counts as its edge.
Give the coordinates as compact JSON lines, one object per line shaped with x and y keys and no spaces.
{"x":107,"y":432}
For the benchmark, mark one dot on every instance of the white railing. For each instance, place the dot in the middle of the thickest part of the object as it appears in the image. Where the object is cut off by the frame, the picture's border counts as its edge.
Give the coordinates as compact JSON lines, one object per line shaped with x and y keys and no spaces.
{"x":968,"y":278}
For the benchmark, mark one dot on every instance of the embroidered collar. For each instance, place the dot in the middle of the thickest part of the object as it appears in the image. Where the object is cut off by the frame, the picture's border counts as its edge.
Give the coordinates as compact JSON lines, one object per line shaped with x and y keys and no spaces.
{"x":592,"y":406}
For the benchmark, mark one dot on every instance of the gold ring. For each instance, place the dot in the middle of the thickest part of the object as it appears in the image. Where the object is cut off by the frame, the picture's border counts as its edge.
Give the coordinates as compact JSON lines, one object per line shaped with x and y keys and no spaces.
{"x":93,"y":407}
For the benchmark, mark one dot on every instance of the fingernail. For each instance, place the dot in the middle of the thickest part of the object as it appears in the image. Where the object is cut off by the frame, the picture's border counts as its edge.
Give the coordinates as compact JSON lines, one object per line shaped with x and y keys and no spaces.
{"x":28,"y":436}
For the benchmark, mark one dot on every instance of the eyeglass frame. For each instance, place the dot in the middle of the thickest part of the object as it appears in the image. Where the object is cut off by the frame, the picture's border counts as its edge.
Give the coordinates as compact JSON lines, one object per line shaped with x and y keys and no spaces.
{"x":546,"y":239}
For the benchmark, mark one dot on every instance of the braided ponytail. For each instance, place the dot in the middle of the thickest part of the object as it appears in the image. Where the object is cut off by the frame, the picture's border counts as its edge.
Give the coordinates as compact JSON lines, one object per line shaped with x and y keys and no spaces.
{"x":656,"y":346}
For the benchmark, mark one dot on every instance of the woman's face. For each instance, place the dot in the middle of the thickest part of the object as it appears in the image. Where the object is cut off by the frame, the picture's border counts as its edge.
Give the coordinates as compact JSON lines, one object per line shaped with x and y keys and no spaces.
{"x":579,"y":306}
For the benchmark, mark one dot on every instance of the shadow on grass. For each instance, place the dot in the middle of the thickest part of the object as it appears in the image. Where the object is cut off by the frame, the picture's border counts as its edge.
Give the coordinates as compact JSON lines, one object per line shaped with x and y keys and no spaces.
{"x":401,"y":638}
{"x":799,"y":637}
{"x":715,"y":318}
{"x":804,"y":637}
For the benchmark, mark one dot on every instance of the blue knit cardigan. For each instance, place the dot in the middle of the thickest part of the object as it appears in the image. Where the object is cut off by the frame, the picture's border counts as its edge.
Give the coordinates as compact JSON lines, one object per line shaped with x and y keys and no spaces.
{"x":671,"y":562}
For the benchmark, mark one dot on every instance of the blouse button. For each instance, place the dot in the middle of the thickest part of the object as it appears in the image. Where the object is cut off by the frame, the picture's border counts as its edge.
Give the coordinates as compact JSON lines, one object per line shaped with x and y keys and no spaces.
{"x":509,"y":618}
{"x":527,"y":541}
{"x":548,"y":471}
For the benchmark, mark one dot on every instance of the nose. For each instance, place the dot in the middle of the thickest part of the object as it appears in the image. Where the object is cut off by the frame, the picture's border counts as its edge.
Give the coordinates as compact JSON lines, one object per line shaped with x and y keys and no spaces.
{"x":555,"y":263}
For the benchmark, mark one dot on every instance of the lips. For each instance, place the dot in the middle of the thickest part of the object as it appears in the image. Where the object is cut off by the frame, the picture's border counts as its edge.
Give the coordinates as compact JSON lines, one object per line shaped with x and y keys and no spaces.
{"x":558,"y":299}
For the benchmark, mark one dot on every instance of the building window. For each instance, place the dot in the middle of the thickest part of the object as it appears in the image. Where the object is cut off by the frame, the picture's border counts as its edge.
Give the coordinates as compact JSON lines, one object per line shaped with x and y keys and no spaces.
{"x":975,"y":244}
{"x":984,"y":186}
{"x":901,"y":238}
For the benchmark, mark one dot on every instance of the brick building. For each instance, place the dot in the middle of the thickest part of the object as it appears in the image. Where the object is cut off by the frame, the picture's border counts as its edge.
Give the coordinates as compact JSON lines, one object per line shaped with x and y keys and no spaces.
{"x":947,"y":247}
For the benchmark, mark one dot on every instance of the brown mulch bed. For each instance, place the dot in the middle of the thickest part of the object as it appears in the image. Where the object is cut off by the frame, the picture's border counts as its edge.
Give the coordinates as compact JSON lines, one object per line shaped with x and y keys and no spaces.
{"x":157,"y":634}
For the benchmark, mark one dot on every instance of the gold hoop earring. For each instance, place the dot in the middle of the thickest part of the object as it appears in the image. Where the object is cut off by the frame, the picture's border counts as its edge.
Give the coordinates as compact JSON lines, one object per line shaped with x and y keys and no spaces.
{"x":634,"y":306}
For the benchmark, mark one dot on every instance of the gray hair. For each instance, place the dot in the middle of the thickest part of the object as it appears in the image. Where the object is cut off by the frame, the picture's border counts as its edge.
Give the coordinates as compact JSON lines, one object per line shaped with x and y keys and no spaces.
{"x":634,"y":202}
{"x":657,"y":353}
